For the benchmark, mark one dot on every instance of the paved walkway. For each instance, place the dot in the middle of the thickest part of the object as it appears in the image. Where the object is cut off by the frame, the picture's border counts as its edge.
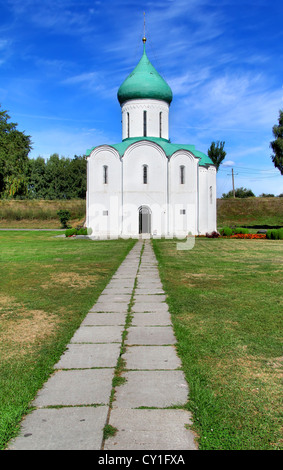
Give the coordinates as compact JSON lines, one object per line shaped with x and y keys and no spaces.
{"x":73,"y":407}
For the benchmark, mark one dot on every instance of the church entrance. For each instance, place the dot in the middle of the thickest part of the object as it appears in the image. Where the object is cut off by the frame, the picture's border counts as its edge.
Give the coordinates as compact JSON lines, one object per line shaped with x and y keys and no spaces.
{"x":144,"y":220}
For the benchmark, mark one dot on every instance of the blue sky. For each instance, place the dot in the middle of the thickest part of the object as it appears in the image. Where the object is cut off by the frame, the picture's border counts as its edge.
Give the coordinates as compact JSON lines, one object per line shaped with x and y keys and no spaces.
{"x":62,"y":62}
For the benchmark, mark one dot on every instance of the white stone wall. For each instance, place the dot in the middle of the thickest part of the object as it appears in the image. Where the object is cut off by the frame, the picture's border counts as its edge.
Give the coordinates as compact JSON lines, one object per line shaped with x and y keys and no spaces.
{"x":104,"y":200}
{"x":182,"y":197}
{"x":134,"y":111}
{"x":176,"y":209}
{"x":207,"y":200}
{"x":153,"y":194}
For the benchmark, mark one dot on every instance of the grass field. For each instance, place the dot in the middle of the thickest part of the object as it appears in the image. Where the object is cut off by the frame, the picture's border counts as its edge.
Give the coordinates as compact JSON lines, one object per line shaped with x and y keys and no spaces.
{"x":226,"y":301}
{"x":225,"y":297}
{"x":47,"y":287}
{"x":43,"y":214}
{"x":250,"y":211}
{"x":40,"y":214}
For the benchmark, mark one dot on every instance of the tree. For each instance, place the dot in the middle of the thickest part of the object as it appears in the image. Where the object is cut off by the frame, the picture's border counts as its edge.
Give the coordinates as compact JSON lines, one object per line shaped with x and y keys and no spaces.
{"x":217,"y":153}
{"x":14,"y":162}
{"x":36,"y":178}
{"x":277,"y":144}
{"x":239,"y":192}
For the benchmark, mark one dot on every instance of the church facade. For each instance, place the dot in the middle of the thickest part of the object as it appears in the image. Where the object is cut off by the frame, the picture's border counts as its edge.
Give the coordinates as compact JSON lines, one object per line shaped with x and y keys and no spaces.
{"x":146,"y":185}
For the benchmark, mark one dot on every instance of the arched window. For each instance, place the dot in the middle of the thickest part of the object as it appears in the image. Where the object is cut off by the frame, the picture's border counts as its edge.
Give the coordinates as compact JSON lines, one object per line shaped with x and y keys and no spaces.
{"x":144,"y":124}
{"x":105,"y":174}
{"x":182,"y":174}
{"x":145,"y":174}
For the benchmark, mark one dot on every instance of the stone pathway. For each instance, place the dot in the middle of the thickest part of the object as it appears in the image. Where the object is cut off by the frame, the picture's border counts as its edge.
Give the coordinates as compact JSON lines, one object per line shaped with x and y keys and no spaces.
{"x":73,"y":407}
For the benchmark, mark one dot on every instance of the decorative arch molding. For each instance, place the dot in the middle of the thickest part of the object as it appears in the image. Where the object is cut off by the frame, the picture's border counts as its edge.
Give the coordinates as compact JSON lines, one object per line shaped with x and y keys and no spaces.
{"x":104,"y":148}
{"x":146,"y":143}
{"x":184,"y":153}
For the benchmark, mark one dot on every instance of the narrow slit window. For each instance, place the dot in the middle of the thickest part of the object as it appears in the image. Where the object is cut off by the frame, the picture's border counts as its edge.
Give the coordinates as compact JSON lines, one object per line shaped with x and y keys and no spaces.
{"x":160,"y":124}
{"x":182,"y":174}
{"x":144,"y":124}
{"x":145,"y":174}
{"x":128,"y":124}
{"x":105,"y":174}
{"x":210,"y":194}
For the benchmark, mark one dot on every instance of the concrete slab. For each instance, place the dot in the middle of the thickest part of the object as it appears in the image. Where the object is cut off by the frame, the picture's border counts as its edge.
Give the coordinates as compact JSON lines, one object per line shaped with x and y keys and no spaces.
{"x":151,"y":298}
{"x":121,"y":307}
{"x":148,"y":290}
{"x":85,"y":356}
{"x":152,"y":388}
{"x":114,"y":290}
{"x":151,"y":319}
{"x":96,"y":318}
{"x":119,"y":298}
{"x":76,"y":387}
{"x":140,"y":307}
{"x":150,"y":335}
{"x":151,"y":357}
{"x":98,"y":334}
{"x":145,"y":283}
{"x":123,"y":283}
{"x":151,"y":430}
{"x":62,"y":429}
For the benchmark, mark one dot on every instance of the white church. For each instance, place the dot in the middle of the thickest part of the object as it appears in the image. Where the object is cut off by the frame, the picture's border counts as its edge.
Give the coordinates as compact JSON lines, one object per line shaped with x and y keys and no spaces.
{"x":147,"y":186}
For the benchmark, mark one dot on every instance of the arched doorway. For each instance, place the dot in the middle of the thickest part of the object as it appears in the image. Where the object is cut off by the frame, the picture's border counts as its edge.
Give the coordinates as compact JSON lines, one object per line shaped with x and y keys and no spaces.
{"x":144,"y":219}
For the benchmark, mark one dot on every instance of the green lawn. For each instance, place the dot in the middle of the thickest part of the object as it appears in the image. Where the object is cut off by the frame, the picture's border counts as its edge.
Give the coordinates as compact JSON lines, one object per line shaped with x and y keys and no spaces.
{"x":225,"y":297}
{"x":47,"y":286}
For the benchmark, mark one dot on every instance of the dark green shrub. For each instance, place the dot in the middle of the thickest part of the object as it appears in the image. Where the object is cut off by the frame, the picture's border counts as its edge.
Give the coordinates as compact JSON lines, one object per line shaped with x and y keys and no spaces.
{"x":227,"y":232}
{"x":274,"y":234}
{"x":70,"y":232}
{"x":82,"y":231}
{"x":64,"y":216}
{"x":240,"y":230}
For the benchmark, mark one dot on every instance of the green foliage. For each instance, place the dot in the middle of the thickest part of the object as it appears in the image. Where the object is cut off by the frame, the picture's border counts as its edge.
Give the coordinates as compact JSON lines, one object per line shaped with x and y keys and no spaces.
{"x":240,"y":230}
{"x":70,"y":232}
{"x":109,"y":431}
{"x":57,"y":178}
{"x":73,"y":231}
{"x":275,"y":234}
{"x":277,"y":144}
{"x":64,"y":216}
{"x":21,"y":177}
{"x":216,"y":153}
{"x":14,"y":150}
{"x":227,"y":232}
{"x":239,"y":192}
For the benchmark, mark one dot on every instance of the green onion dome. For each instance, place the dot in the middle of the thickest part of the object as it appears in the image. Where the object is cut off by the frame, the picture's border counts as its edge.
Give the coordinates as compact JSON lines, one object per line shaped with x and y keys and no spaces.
{"x":144,"y":82}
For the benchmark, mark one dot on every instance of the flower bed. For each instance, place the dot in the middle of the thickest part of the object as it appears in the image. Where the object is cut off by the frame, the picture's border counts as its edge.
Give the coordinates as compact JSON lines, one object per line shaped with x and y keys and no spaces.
{"x":250,"y":236}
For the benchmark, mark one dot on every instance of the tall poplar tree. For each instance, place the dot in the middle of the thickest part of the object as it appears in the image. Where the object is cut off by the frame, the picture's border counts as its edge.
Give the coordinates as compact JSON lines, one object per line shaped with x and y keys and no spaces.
{"x":277,"y":144}
{"x":217,"y":153}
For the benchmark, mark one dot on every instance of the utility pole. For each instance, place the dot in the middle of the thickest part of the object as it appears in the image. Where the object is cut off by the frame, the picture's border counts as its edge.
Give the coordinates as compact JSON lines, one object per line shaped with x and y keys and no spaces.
{"x":233,"y":183}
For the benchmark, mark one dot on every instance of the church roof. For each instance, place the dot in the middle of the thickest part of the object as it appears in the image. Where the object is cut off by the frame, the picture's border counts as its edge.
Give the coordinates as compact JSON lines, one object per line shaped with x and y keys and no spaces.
{"x":166,"y":145}
{"x":144,"y":82}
